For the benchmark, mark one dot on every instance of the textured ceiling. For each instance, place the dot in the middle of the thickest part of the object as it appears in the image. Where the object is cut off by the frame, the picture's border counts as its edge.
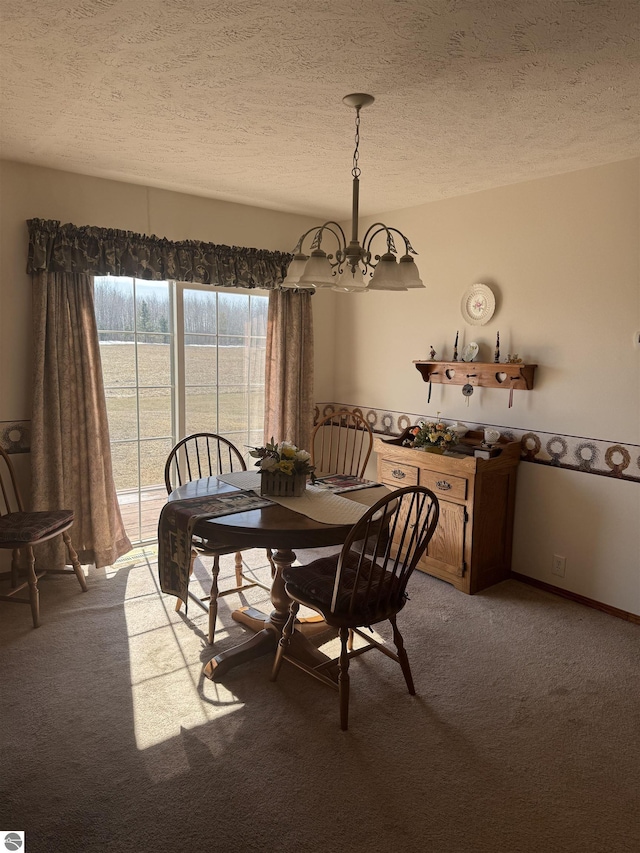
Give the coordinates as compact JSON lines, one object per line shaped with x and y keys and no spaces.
{"x":242,"y":100}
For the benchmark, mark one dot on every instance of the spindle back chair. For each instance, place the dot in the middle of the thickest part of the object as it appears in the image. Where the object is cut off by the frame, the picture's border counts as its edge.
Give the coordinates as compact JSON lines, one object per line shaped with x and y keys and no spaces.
{"x":360,"y":587}
{"x":341,"y":443}
{"x":21,"y":531}
{"x":206,"y":454}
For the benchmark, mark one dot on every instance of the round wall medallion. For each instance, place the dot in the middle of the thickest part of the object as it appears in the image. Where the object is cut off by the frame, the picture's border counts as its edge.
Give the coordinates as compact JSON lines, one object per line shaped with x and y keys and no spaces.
{"x":478,"y":304}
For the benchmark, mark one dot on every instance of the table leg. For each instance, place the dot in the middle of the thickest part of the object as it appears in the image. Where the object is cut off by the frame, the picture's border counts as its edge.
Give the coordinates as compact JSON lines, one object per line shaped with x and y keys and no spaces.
{"x":268,"y":629}
{"x":256,"y":620}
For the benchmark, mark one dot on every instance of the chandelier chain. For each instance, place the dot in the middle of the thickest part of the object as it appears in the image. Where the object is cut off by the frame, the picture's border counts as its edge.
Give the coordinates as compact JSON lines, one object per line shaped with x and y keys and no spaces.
{"x":356,"y":154}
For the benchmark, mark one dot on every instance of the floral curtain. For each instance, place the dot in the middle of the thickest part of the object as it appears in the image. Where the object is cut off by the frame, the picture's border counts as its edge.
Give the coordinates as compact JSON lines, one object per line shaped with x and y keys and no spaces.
{"x":289,"y":402}
{"x":102,"y":251}
{"x":70,"y":450}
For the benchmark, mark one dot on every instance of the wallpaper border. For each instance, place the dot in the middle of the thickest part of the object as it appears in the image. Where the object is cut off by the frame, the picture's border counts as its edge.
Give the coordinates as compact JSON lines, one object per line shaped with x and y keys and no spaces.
{"x":15,"y":436}
{"x":572,"y":452}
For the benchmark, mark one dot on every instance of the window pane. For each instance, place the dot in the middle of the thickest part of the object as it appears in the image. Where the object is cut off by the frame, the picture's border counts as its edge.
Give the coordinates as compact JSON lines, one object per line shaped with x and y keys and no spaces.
{"x":256,"y":439}
{"x":154,"y":360}
{"x":125,"y":465}
{"x":153,"y":455}
{"x":113,"y":299}
{"x":152,"y":307}
{"x":118,"y":358}
{"x":233,"y":364}
{"x":233,"y":407}
{"x":200,"y":410}
{"x":155,"y":412}
{"x":257,"y":361}
{"x":233,"y":314}
{"x":259,"y":310}
{"x":122,"y":413}
{"x":256,"y":409}
{"x":200,"y":311}
{"x":200,"y":359}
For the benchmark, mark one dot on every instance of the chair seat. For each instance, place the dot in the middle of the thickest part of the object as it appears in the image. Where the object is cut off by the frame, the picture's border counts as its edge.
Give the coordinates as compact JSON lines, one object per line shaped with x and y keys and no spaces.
{"x":30,"y":527}
{"x":313,"y":585}
{"x":210,"y":550}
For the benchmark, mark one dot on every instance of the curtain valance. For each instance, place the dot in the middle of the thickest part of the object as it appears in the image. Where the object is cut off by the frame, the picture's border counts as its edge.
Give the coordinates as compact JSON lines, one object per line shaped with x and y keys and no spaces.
{"x":91,"y":250}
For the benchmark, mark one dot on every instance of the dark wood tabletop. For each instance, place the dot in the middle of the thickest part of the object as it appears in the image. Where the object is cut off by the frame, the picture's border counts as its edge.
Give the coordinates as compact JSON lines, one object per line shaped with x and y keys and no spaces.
{"x":276,"y":526}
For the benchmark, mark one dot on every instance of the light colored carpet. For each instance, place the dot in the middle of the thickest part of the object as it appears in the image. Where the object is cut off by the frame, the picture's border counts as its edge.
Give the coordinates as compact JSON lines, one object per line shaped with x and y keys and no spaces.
{"x":523,"y":738}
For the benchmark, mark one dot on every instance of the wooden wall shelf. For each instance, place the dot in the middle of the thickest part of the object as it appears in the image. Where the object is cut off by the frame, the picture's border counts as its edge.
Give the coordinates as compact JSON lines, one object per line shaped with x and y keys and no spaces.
{"x":481,"y":374}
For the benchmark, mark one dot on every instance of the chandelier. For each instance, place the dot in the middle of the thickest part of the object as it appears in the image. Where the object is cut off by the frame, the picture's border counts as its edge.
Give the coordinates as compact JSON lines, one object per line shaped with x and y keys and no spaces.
{"x":353,"y":267}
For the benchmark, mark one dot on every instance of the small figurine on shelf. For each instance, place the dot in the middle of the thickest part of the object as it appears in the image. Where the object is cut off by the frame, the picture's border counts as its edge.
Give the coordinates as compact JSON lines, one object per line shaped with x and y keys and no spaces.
{"x":496,"y":357}
{"x":432,"y":354}
{"x":455,"y":349}
{"x":512,"y":358}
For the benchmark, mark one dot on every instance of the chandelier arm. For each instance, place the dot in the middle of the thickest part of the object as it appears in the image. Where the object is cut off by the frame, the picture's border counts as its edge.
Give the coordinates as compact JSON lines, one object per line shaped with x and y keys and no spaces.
{"x":376,"y":229}
{"x":319,"y":229}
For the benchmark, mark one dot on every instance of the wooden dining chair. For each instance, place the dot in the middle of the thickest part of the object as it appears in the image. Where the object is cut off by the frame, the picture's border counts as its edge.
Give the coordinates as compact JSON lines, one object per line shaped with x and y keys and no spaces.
{"x":341,"y":443}
{"x":21,"y":531}
{"x":361,"y":587}
{"x":206,"y":454}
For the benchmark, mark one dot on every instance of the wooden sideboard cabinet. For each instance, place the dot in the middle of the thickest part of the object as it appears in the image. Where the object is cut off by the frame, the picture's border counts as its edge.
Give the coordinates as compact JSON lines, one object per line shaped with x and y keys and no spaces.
{"x":471,"y":548}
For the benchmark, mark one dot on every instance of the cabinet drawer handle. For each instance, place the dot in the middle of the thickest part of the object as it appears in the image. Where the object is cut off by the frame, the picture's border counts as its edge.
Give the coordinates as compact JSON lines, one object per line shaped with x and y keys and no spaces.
{"x":398,"y":474}
{"x":443,"y":484}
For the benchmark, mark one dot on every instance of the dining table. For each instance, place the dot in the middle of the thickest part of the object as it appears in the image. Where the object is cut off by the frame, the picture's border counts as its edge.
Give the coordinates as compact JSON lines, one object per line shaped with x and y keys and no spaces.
{"x":282,"y":526}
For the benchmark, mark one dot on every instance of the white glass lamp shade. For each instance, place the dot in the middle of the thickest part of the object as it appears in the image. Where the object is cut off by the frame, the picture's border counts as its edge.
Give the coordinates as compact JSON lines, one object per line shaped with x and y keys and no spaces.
{"x":409,"y":274}
{"x":296,"y":268}
{"x":351,"y":282}
{"x":318,"y":271}
{"x":386,"y":275}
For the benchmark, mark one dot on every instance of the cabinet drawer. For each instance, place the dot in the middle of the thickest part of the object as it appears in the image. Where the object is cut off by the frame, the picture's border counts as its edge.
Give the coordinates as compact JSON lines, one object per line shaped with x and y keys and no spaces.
{"x":444,"y":484}
{"x":397,"y":474}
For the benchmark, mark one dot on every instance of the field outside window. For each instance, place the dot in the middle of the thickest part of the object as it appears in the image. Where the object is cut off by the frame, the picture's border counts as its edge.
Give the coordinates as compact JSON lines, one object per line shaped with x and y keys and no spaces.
{"x":176,"y":359}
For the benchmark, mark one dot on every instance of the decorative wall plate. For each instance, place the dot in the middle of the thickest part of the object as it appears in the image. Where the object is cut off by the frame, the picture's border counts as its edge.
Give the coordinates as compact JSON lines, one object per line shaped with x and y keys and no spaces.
{"x":478,"y":304}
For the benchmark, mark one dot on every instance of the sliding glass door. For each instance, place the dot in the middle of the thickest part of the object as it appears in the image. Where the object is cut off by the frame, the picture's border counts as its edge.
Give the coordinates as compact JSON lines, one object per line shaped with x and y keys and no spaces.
{"x":176,"y":359}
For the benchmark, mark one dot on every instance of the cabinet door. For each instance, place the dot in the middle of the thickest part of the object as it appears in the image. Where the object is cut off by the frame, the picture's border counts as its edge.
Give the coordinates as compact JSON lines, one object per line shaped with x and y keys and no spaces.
{"x":446,"y":550}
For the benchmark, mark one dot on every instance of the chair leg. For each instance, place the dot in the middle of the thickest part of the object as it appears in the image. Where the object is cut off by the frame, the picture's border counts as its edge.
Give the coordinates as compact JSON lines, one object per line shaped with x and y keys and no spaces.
{"x":271,"y":563}
{"x":34,"y":593}
{"x":343,"y":679}
{"x":239,"y":577}
{"x":14,"y":567}
{"x":194,"y":554}
{"x":213,"y":599}
{"x":285,"y":639}
{"x":75,"y":562}
{"x":402,"y":656}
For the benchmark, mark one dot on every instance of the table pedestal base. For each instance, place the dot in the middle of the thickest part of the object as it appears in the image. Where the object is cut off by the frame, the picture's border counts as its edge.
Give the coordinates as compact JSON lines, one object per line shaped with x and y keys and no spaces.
{"x":269,"y":629}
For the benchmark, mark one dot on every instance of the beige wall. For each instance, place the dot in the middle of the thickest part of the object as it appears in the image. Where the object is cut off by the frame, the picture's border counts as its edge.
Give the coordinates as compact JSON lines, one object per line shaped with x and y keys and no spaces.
{"x":563,"y":256}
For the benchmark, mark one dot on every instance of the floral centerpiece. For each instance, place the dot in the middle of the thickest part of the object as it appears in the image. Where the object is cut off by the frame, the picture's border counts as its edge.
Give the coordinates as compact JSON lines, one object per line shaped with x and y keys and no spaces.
{"x":432,"y":435}
{"x":283,"y":467}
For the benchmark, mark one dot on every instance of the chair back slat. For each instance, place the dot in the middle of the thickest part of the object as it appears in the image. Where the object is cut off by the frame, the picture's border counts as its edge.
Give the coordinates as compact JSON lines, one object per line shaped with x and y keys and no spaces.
{"x":383,"y":549}
{"x":341,"y":444}
{"x":203,"y":454}
{"x":11,"y":498}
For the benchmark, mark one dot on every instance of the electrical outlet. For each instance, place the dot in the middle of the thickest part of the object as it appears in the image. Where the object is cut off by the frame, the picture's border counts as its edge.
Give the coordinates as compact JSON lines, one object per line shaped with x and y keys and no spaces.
{"x":558,"y":565}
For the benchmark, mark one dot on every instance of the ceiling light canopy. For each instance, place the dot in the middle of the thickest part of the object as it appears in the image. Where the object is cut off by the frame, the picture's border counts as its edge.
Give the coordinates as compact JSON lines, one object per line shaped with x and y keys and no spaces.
{"x":353,"y":267}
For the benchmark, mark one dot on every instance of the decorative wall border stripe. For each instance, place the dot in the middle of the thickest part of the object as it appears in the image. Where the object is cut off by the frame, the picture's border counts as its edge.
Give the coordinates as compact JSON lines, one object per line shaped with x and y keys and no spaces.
{"x":15,"y":436}
{"x":572,"y":452}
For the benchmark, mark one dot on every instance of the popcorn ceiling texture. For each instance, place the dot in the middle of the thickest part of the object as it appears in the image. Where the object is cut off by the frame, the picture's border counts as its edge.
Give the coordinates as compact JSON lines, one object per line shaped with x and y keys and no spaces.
{"x":242,"y":100}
